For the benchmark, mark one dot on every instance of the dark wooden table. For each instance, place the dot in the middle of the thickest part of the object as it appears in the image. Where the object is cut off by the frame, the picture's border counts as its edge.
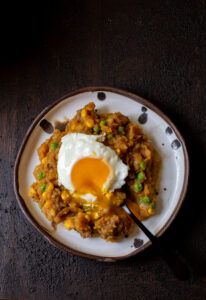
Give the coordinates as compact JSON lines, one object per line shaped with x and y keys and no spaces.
{"x":156,"y":49}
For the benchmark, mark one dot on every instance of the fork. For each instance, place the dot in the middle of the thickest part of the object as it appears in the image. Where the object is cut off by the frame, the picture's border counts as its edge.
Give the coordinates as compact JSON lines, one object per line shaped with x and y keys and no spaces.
{"x":177,"y":263}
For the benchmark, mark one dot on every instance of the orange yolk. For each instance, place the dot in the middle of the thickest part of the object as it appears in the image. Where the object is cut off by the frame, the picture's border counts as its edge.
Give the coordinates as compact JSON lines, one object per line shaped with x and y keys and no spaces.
{"x":89,"y":174}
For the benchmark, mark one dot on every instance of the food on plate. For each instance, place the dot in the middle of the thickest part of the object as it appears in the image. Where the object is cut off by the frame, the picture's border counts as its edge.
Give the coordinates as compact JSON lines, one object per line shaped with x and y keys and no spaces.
{"x":89,"y":168}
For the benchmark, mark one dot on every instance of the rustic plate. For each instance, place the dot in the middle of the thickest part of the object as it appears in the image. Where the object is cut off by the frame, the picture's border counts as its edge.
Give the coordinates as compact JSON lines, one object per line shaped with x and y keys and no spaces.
{"x":167,"y":140}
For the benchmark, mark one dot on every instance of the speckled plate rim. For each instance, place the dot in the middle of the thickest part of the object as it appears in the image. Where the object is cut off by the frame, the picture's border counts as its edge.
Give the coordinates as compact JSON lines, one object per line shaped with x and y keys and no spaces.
{"x":41,"y":229}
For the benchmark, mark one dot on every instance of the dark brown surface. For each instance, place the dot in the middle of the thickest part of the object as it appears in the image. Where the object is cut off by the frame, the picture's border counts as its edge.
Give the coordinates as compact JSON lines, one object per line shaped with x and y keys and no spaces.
{"x":156,"y":49}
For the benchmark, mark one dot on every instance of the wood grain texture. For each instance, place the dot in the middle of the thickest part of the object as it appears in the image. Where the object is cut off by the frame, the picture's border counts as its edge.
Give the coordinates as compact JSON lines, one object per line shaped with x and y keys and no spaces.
{"x":153,"y":48}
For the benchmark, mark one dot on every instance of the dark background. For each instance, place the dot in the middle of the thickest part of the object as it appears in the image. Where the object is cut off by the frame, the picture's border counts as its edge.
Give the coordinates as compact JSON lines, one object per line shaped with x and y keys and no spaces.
{"x":156,"y":49}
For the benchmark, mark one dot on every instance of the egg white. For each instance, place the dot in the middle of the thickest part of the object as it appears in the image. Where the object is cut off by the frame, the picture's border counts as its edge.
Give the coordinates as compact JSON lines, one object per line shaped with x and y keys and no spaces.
{"x":75,"y":146}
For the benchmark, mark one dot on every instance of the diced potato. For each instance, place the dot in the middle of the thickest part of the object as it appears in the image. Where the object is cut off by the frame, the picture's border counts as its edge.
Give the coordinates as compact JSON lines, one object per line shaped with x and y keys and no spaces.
{"x":146,"y":189}
{"x":83,"y":113}
{"x":44,"y":160}
{"x":32,"y":192}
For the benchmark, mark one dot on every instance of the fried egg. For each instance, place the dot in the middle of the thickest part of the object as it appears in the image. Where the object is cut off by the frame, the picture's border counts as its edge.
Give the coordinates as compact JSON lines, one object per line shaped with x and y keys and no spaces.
{"x":87,"y":167}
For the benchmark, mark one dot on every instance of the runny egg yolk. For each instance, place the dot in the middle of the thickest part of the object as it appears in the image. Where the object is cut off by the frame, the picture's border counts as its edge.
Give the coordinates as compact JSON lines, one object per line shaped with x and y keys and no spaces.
{"x":89,"y":174}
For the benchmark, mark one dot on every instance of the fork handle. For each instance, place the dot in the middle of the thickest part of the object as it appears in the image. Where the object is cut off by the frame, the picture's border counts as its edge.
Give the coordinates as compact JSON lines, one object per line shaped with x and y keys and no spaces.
{"x":171,"y":256}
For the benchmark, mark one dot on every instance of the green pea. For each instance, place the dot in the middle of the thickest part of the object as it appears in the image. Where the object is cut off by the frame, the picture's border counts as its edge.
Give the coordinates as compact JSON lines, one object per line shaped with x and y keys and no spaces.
{"x":96,"y":129}
{"x":43,"y":187}
{"x":41,"y":175}
{"x":145,"y":200}
{"x":121,"y":129}
{"x":54,"y":145}
{"x":109,"y":136}
{"x":142,"y":165}
{"x":141,"y":176}
{"x":103,"y":123}
{"x":138,"y":187}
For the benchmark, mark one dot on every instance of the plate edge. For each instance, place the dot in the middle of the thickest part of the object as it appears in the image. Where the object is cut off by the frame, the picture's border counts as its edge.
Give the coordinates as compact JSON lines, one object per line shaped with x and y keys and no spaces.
{"x":40,"y":229}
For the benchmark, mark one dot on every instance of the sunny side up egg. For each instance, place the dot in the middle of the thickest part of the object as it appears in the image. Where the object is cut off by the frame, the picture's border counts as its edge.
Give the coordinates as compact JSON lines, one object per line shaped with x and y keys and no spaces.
{"x":88,"y":167}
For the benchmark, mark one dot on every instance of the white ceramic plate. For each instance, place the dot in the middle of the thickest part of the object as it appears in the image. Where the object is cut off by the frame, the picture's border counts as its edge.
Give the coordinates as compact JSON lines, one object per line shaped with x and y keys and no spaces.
{"x":163,"y":133}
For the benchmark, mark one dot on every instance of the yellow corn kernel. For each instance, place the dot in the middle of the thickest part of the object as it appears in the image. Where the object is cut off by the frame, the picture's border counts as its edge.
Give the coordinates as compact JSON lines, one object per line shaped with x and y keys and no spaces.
{"x":83,"y":113}
{"x":47,"y":204}
{"x":65,"y":195}
{"x":69,"y":224}
{"x":95,"y":215}
{"x":32,"y":192}
{"x":118,"y":151}
{"x":89,"y":123}
{"x":87,"y":216}
{"x":150,"y":211}
{"x":50,"y":187}
{"x":44,"y":195}
{"x":44,"y":160}
{"x":108,"y":195}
